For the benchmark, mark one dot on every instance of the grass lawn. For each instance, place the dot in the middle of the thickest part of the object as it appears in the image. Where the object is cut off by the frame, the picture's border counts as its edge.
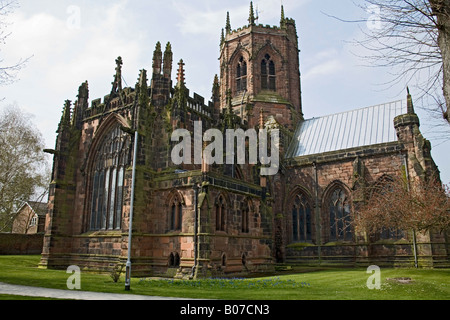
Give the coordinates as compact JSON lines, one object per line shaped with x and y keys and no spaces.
{"x":333,"y":284}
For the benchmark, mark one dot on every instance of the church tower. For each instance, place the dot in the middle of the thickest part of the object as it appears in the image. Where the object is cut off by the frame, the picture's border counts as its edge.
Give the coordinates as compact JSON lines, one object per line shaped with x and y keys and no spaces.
{"x":260,"y":72}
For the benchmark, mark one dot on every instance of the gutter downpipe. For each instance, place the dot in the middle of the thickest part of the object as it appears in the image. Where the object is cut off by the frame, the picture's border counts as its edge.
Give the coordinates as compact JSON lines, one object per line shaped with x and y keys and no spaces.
{"x":130,"y":231}
{"x":317,"y":212}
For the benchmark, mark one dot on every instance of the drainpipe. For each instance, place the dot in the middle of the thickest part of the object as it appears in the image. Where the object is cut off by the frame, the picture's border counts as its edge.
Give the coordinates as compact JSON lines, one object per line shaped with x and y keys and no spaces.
{"x":405,"y":163}
{"x":196,"y":189}
{"x":317,"y":211}
{"x":130,"y":231}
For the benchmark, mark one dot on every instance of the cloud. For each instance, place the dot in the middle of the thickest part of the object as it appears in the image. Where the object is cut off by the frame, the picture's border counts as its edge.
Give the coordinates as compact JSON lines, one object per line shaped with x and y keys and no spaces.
{"x":200,"y":18}
{"x":64,"y":56}
{"x":324,"y":63}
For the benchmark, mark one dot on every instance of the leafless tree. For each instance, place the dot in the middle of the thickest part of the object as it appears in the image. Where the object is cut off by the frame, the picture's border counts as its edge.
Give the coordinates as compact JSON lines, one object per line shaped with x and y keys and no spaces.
{"x":397,"y":204}
{"x":412,"y":39}
{"x":24,"y":172}
{"x":8,"y":72}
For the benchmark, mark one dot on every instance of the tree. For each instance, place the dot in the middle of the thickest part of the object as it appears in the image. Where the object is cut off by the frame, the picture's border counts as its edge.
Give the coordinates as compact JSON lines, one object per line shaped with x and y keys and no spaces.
{"x":24,"y":170}
{"x":8,"y":73}
{"x":395,"y":205}
{"x":413,"y":38}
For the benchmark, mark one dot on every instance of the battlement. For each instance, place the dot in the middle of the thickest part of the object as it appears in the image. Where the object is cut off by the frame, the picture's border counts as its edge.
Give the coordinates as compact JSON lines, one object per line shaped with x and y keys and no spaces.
{"x":196,"y":104}
{"x":99,"y":106}
{"x":259,"y":28}
{"x":286,"y":26}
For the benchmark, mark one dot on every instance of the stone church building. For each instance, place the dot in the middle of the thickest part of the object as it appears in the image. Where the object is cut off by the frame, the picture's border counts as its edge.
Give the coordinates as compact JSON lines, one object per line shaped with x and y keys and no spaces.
{"x":203,"y":220}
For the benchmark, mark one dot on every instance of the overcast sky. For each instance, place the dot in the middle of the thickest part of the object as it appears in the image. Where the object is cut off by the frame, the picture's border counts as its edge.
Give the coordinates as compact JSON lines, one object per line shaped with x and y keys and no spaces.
{"x":70,"y":42}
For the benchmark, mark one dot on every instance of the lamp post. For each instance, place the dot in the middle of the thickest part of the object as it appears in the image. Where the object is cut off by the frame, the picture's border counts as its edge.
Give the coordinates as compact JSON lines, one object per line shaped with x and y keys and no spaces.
{"x":130,"y":231}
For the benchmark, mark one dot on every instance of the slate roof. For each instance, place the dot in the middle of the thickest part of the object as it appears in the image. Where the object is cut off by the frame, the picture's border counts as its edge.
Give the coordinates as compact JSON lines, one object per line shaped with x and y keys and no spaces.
{"x":347,"y":130}
{"x":40,"y":208}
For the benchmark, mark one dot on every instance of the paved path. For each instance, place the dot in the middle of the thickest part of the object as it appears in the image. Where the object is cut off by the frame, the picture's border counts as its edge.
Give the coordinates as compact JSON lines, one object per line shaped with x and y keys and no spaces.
{"x":72,"y":294}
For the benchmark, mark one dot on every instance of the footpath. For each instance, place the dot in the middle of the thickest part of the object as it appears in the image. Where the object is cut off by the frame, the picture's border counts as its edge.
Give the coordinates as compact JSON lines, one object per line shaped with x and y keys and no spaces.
{"x":72,"y":294}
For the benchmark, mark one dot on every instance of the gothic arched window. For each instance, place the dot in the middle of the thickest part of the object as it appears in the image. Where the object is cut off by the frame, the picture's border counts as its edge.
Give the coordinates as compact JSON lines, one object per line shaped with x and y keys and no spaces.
{"x":301,"y":219}
{"x":241,"y":75}
{"x":108,"y":180}
{"x":268,"y":74}
{"x":220,"y":214}
{"x":174,"y":260}
{"x":340,"y":220}
{"x":176,"y":214}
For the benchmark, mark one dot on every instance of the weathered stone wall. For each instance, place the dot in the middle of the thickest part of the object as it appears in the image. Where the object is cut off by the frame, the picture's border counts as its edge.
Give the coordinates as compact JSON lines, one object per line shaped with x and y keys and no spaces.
{"x":20,"y":244}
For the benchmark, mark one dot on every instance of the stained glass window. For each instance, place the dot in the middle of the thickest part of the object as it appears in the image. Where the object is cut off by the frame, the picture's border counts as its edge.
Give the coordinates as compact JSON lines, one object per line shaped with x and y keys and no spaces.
{"x":340,"y":220}
{"x":110,"y":162}
{"x":301,"y":219}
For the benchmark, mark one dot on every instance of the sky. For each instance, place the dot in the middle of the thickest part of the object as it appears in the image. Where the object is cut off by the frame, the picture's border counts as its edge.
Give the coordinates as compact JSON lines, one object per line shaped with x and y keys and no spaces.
{"x":69,"y":42}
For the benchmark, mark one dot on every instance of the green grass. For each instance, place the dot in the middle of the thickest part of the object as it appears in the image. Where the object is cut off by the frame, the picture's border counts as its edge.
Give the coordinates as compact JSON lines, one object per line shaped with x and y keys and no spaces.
{"x":342,"y":284}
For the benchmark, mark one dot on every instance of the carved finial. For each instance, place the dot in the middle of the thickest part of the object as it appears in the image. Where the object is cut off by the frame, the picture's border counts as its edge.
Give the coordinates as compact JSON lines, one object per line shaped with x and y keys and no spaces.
{"x":222,"y":38}
{"x":167,"y":63}
{"x":228,"y":24}
{"x":157,"y":59}
{"x":143,"y":78}
{"x":283,"y":17}
{"x":180,"y":74}
{"x":410,"y":105}
{"x":251,"y":18}
{"x":117,"y":84}
{"x":216,"y":88}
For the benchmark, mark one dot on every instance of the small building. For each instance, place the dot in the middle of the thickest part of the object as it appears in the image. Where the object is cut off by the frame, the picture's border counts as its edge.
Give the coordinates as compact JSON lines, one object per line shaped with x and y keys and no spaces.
{"x":30,"y":218}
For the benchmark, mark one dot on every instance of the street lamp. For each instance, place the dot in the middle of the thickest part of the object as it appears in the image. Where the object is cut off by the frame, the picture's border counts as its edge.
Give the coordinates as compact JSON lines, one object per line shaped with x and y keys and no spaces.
{"x":130,"y":231}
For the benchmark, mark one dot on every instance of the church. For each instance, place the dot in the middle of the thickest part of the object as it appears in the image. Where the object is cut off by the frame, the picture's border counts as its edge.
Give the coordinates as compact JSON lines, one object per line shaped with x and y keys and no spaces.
{"x":200,"y":220}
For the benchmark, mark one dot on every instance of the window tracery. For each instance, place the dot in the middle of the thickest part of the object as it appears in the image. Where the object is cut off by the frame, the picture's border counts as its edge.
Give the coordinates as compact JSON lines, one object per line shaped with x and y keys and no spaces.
{"x":108,"y":175}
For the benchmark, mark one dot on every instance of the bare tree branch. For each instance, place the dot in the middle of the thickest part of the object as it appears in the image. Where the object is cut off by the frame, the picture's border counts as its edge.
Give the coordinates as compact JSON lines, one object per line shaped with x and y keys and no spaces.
{"x":412,"y":39}
{"x":9,"y":72}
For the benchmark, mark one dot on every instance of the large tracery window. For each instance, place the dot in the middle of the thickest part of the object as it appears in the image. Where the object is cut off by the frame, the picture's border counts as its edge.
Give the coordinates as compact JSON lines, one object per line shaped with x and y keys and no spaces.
{"x":301,"y":219}
{"x":268,"y":78}
{"x":108,"y":181}
{"x":340,"y":220}
{"x":241,"y":75}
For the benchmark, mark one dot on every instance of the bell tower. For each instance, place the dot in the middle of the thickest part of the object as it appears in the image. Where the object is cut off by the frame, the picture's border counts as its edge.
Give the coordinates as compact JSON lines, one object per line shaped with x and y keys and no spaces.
{"x":260,"y":71}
